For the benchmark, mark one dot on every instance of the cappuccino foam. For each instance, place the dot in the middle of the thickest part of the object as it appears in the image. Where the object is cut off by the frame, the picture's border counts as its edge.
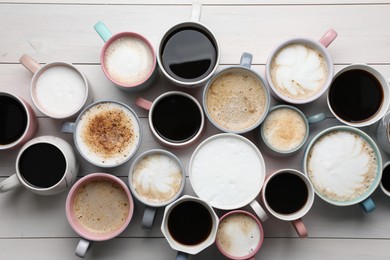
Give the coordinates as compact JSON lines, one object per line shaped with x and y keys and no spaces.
{"x":342,"y":165}
{"x":101,"y":206}
{"x":128,"y":60}
{"x":236,"y":100}
{"x":298,"y":71}
{"x":107,"y":134}
{"x":157,"y":178}
{"x":284,"y":129}
{"x":238,"y":235}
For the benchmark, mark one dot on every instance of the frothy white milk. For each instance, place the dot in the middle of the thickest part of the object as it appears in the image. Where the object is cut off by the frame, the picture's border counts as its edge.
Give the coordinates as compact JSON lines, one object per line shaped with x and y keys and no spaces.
{"x":60,"y":91}
{"x":298,"y":71}
{"x":342,"y":165}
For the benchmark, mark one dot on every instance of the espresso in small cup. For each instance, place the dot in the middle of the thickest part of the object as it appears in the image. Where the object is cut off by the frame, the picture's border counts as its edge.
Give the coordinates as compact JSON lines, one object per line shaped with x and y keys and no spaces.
{"x":385,"y":180}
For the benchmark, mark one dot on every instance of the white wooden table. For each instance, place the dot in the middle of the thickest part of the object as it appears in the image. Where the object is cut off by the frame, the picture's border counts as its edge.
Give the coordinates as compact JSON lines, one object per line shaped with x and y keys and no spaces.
{"x":35,"y":227}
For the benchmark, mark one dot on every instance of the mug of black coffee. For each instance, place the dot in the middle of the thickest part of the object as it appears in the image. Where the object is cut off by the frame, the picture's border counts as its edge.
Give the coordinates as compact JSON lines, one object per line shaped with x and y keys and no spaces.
{"x":188,"y":53}
{"x":18,"y":122}
{"x":176,"y":119}
{"x":359,"y":95}
{"x":385,"y":180}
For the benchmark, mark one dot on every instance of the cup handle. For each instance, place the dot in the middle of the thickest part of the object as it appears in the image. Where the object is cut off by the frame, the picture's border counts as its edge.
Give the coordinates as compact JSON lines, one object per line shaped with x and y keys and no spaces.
{"x":82,"y":247}
{"x":103,"y":31}
{"x":328,"y":37}
{"x":196,"y":11}
{"x":10,"y":183}
{"x":68,"y":127}
{"x":259,"y":210}
{"x":246,"y":60}
{"x":316,"y":118}
{"x":300,"y":228}
{"x":143,"y":103}
{"x":148,"y":218}
{"x":181,"y":256}
{"x":29,"y":63}
{"x":367,"y":205}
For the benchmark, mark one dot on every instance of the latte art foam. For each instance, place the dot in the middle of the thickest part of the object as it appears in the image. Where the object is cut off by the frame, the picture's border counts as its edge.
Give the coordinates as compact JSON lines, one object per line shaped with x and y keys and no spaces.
{"x":298,"y":71}
{"x":342,"y":165}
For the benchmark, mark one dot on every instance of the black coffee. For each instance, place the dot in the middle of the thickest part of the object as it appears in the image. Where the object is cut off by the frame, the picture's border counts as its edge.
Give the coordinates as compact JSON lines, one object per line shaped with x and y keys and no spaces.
{"x":386,"y":178}
{"x":286,"y":193}
{"x":190,"y":223}
{"x":42,"y":165}
{"x":13,"y":120}
{"x":188,"y":54}
{"x":355,"y":95}
{"x":176,"y":118}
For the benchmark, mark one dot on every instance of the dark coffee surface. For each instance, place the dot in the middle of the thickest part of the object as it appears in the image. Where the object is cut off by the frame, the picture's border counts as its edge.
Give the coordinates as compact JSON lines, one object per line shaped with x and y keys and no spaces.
{"x":386,"y":178}
{"x":13,"y":120}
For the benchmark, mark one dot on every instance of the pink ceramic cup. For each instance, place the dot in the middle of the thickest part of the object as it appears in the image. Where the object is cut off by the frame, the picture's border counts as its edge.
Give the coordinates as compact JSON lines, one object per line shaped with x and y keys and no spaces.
{"x":240,"y":235}
{"x":88,"y":236}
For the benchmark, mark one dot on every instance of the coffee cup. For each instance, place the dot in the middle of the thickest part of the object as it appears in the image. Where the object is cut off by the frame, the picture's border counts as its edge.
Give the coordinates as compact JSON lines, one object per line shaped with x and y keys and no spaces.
{"x":383,"y":133}
{"x":285,"y":130}
{"x":344,"y":166}
{"x":106,"y":133}
{"x":99,"y":207}
{"x":188,"y":53}
{"x":189,"y":225}
{"x":18,"y":122}
{"x":363,"y":104}
{"x":45,"y":165}
{"x":288,"y":195}
{"x":127,"y":59}
{"x":240,"y":235}
{"x":176,"y":118}
{"x":156,"y":179}
{"x":58,"y":89}
{"x":228,"y":171}
{"x":385,"y":180}
{"x":300,"y":70}
{"x":236,"y":99}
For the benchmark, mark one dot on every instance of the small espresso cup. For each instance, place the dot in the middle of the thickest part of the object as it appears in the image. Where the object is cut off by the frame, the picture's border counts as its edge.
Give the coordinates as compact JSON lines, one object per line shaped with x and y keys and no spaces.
{"x":344,"y":166}
{"x":236,"y":99}
{"x":156,"y":179}
{"x":176,"y":118}
{"x":189,"y":225}
{"x":288,"y":195}
{"x":18,"y":122}
{"x":359,"y":95}
{"x":188,"y":53}
{"x":128,"y":59}
{"x":58,"y":89}
{"x":99,"y":207}
{"x":385,"y":180}
{"x":240,"y":235}
{"x":106,"y":133}
{"x":383,"y":133}
{"x":300,"y":70}
{"x":286,"y":129}
{"x":45,"y":165}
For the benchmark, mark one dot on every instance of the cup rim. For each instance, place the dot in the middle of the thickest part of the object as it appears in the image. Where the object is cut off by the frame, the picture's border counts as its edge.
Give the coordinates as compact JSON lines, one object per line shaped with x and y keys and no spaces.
{"x":69,"y":203}
{"x":317,"y":46}
{"x":193,"y":24}
{"x":114,"y":38}
{"x":223,"y":72}
{"x":304,"y":209}
{"x":373,"y":145}
{"x":250,"y":255}
{"x":165,"y":141}
{"x":385,"y":103}
{"x":301,"y":144}
{"x":131,"y":172}
{"x":40,"y":71}
{"x":122,"y":105}
{"x":385,"y":191}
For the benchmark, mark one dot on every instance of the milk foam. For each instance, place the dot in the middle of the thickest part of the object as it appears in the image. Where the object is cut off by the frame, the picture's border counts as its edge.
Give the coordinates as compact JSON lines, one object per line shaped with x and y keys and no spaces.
{"x":298,"y":71}
{"x":238,"y":235}
{"x":124,"y":141}
{"x":129,"y":60}
{"x":157,"y":178}
{"x":226,"y":171}
{"x":284,"y":129}
{"x":342,"y":165}
{"x":60,"y":90}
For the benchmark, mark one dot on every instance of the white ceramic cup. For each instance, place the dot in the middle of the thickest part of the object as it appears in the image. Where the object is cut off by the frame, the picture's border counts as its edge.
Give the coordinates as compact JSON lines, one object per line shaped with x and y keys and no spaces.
{"x":385,"y":180}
